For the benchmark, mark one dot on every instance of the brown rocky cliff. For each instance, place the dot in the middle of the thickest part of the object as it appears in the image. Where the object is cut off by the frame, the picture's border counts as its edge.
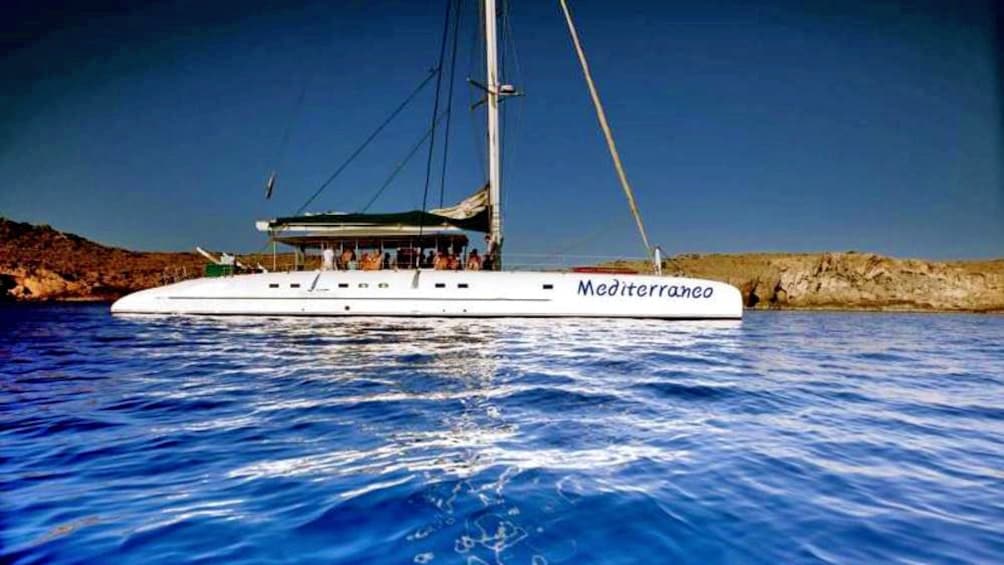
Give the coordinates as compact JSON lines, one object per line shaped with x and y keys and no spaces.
{"x":40,"y":263}
{"x":852,"y":281}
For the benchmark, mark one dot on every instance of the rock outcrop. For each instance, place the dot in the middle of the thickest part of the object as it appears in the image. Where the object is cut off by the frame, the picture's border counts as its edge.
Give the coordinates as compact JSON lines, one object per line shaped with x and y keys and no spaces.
{"x":40,"y":263}
{"x":859,"y":281}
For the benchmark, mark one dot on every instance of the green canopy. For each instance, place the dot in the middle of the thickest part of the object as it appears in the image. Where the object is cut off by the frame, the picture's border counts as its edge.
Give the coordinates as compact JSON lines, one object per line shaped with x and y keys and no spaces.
{"x":478,"y":222}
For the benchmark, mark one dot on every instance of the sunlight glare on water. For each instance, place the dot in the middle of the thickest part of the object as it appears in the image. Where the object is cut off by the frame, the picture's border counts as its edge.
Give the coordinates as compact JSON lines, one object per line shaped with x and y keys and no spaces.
{"x":785,"y":437}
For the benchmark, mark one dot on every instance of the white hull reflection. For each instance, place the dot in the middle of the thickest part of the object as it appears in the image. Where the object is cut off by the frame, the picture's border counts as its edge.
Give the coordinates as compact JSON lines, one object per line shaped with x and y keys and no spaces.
{"x":426,"y":293}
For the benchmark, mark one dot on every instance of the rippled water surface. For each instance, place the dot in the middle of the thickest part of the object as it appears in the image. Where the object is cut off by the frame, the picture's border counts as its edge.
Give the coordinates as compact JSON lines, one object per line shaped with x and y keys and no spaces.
{"x":782,"y":438}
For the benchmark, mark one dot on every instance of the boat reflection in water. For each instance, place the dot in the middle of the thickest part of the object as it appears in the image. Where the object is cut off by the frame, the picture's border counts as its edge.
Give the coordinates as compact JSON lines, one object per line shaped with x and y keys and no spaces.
{"x":443,"y":419}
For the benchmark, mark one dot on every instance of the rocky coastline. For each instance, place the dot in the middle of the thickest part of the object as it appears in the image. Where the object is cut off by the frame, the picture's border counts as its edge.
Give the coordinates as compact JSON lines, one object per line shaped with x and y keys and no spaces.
{"x":851,"y":281}
{"x":39,"y":263}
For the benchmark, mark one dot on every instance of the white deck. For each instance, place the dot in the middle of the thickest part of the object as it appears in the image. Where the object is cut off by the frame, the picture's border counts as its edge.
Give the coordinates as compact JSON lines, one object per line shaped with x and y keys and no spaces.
{"x":442,"y":293}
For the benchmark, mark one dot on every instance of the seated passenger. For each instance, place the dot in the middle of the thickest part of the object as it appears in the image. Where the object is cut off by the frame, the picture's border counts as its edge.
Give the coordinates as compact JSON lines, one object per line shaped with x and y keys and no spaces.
{"x":452,"y":263}
{"x":473,"y":261}
{"x":442,"y":263}
{"x":370,"y":262}
{"x":344,"y":259}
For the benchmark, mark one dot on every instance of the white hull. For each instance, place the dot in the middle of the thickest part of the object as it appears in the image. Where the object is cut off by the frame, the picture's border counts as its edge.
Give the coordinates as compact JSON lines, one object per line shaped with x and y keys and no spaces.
{"x":442,"y":293}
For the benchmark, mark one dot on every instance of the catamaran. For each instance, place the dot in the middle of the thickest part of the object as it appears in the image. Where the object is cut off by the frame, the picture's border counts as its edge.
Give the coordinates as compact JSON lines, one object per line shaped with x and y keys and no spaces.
{"x":411,"y":287}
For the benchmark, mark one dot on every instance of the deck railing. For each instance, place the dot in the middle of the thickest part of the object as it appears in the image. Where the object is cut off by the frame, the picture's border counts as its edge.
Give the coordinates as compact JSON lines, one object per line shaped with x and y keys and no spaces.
{"x":177,"y":274}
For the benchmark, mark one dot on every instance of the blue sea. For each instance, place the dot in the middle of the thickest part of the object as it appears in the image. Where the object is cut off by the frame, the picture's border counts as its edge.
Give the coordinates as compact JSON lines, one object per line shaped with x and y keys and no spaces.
{"x":784,"y":438}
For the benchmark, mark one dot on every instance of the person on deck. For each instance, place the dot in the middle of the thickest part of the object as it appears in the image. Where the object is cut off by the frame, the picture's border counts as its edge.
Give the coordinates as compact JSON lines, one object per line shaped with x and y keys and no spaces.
{"x":345,"y":259}
{"x":370,"y":262}
{"x":327,"y":259}
{"x":488,"y":261}
{"x":452,"y":263}
{"x":441,"y":263}
{"x":474,"y":261}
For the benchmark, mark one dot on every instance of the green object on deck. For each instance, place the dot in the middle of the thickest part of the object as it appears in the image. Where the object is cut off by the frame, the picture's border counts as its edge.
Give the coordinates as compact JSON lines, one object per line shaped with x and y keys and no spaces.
{"x":219,"y":270}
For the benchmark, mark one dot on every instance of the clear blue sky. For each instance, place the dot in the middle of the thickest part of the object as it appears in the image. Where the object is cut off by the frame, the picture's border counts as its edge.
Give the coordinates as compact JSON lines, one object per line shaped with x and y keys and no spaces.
{"x":789,"y":126}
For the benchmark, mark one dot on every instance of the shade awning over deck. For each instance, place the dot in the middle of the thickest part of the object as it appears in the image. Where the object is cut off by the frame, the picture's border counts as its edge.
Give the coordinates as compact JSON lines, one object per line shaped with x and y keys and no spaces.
{"x":471,"y":214}
{"x":392,"y":237}
{"x":416,"y":228}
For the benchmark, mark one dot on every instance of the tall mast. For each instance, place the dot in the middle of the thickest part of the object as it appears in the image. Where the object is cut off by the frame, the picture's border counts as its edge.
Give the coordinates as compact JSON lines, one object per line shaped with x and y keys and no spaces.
{"x":494,"y":164}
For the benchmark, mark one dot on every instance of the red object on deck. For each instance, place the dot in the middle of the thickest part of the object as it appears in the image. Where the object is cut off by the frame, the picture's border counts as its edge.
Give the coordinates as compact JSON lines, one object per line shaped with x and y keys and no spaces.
{"x":605,"y":270}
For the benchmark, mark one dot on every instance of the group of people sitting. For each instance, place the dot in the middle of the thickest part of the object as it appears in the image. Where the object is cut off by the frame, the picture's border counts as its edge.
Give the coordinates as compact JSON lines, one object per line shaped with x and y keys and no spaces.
{"x":440,"y":260}
{"x":447,"y":261}
{"x":367,"y":262}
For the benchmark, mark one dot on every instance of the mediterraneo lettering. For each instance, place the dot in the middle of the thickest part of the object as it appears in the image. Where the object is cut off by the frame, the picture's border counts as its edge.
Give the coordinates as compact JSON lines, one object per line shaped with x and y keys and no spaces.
{"x":622,"y":288}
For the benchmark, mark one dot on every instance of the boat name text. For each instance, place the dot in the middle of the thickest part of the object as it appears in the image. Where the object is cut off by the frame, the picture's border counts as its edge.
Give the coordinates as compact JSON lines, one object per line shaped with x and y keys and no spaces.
{"x":618,"y":288}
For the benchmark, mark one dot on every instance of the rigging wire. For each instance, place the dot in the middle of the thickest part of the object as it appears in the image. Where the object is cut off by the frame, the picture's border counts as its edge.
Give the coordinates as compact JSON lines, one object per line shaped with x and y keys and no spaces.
{"x":602,"y":117}
{"x":372,"y":136}
{"x":401,"y":164}
{"x":449,"y":102}
{"x":511,"y":43}
{"x":307,"y":79}
{"x":502,"y":78}
{"x":286,"y":133}
{"x":580,"y":242}
{"x":474,"y":58}
{"x":513,"y":125}
{"x":435,"y":114}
